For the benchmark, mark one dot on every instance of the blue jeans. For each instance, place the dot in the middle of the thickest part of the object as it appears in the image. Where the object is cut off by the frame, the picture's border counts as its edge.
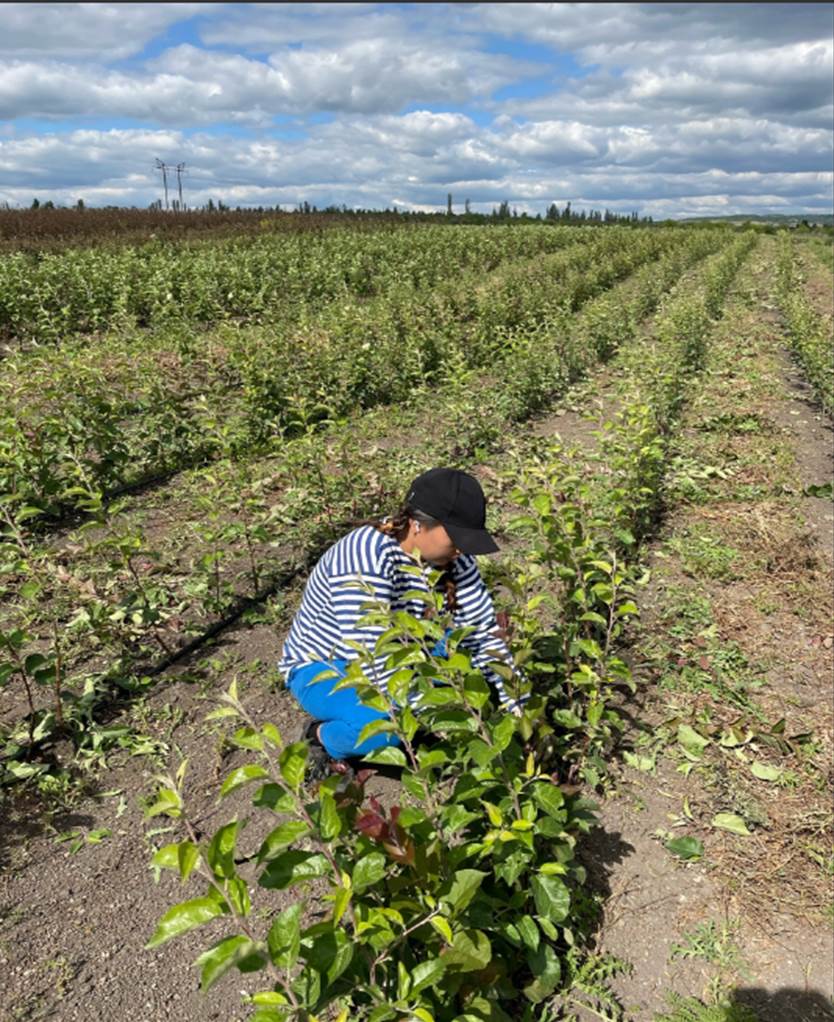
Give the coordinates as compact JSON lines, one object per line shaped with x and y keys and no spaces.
{"x":343,"y":713}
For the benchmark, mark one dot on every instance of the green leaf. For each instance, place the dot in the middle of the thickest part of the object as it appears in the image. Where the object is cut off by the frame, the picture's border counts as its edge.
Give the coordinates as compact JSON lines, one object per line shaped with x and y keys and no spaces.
{"x":388,"y":754}
{"x":342,"y":958}
{"x":369,"y":870}
{"x":731,"y":822}
{"x":33,"y":662}
{"x":765,"y":772}
{"x":341,"y":900}
{"x":465,"y":886}
{"x":426,"y":974}
{"x":456,"y":817}
{"x":269,"y":1013}
{"x":221,"y":957}
{"x":689,"y":848}
{"x":476,"y":690}
{"x":529,"y":932}
{"x":292,"y":867}
{"x":552,"y":897}
{"x":549,"y":798}
{"x":284,"y":938}
{"x":168,"y":803}
{"x":187,"y":856}
{"x":469,"y":952}
{"x":29,"y":590}
{"x":329,"y":952}
{"x":824,"y":490}
{"x":542,"y":503}
{"x":273,"y":796}
{"x":691,"y":742}
{"x":644,"y":763}
{"x":221,"y":851}
{"x":166,"y":857}
{"x":512,"y":867}
{"x":566,"y":718}
{"x":186,"y":916}
{"x":547,"y":970}
{"x":442,"y":926}
{"x":375,"y":727}
{"x":243,"y":775}
{"x":282,"y":837}
{"x":503,"y":732}
{"x":237,"y":892}
{"x":494,"y":814}
{"x":431,"y":758}
{"x":330,"y":823}
{"x":293,"y":763}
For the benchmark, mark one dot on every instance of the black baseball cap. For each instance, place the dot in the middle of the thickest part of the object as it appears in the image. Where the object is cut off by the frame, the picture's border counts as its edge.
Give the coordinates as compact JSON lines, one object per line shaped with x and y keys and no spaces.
{"x":457,"y":501}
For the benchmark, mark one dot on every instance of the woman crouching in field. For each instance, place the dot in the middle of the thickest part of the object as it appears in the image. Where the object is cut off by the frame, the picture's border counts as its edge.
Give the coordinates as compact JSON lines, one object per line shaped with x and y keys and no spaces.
{"x":443,"y":520}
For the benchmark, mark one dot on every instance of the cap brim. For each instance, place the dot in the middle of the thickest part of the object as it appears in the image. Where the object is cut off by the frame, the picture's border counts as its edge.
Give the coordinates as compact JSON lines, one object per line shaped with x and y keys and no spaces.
{"x":472,"y":541}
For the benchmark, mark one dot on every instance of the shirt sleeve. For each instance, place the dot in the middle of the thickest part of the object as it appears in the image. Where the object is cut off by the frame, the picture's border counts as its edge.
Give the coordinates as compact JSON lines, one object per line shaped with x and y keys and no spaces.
{"x":366,"y":576}
{"x":484,"y":644}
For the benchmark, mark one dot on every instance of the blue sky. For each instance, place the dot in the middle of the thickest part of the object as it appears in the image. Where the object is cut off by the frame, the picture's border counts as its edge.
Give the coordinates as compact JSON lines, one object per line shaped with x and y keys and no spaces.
{"x":670,"y":109}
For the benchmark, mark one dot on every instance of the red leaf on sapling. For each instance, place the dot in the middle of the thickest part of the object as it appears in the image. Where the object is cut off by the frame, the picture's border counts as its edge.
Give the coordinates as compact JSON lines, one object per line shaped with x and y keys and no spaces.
{"x":372,"y":825}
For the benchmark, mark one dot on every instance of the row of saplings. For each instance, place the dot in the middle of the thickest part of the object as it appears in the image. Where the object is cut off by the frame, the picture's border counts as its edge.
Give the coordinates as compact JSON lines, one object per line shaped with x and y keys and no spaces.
{"x":465,"y":901}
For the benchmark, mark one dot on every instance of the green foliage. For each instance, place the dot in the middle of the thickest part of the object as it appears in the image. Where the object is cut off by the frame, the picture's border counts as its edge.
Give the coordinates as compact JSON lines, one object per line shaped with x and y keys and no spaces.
{"x":575,"y":576}
{"x":130,"y":598}
{"x":690,"y":1009}
{"x":132,"y":406}
{"x":809,"y":332}
{"x":458,"y":899}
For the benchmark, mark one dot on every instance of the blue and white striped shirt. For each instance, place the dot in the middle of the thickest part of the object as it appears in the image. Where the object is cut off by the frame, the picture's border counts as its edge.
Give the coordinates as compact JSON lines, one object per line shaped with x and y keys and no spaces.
{"x":338,"y":586}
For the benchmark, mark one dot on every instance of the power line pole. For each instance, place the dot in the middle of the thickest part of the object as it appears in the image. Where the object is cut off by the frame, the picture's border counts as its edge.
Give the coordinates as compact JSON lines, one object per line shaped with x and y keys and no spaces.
{"x":164,"y":168}
{"x":180,"y":171}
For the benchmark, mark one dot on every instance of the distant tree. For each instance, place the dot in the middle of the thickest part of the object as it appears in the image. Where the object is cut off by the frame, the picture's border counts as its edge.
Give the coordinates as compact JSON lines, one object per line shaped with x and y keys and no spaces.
{"x":80,"y":205}
{"x":466,"y":207}
{"x":449,"y":204}
{"x":35,"y":204}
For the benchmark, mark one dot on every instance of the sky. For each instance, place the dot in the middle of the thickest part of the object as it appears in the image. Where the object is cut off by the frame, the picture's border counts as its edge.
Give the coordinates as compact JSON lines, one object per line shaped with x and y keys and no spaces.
{"x":673,"y":110}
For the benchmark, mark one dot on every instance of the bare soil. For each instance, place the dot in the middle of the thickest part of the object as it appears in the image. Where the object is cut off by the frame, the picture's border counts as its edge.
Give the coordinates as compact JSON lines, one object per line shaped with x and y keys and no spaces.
{"x":763,"y":883}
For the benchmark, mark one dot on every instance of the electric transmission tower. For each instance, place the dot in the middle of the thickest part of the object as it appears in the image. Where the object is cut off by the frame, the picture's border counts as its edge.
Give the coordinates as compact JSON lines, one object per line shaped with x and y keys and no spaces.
{"x":164,"y":168}
{"x":180,"y":168}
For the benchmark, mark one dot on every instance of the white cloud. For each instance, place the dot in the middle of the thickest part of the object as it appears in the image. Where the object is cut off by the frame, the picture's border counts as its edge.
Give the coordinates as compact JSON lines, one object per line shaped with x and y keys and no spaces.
{"x":87,"y":30}
{"x":632,"y":33}
{"x":187,"y":85}
{"x":354,"y":165}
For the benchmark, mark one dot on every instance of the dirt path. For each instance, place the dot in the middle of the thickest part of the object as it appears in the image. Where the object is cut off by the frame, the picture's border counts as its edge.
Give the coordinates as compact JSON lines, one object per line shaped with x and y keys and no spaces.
{"x":766,"y":619}
{"x":819,"y":284}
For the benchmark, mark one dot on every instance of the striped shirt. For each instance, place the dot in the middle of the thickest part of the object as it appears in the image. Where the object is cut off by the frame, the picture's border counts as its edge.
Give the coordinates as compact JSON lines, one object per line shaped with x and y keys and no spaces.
{"x":365,"y":565}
